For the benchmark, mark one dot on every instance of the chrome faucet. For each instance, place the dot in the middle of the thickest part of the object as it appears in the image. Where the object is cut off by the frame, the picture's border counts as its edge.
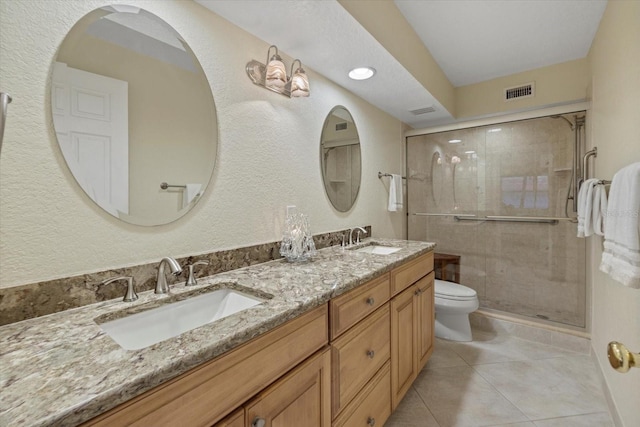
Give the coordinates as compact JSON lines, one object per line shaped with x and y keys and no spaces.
{"x":191,"y":280}
{"x":161,"y":282}
{"x":131,"y":292}
{"x":360,"y":229}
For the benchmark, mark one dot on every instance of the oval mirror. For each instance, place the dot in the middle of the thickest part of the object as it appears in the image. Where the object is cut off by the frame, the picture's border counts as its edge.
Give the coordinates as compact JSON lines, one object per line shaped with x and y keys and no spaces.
{"x":340,"y":158}
{"x":134,"y":115}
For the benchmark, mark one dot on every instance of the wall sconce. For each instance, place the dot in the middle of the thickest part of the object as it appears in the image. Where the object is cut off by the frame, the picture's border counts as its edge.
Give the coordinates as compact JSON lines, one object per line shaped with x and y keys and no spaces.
{"x":273,"y":76}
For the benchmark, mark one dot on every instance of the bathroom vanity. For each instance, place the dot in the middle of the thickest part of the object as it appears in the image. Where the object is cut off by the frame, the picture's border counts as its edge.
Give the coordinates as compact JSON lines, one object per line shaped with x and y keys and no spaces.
{"x":341,"y":338}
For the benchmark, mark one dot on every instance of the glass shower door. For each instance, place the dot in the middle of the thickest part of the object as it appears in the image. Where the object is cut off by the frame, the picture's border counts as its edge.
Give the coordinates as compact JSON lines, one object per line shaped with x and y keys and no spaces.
{"x":465,"y":189}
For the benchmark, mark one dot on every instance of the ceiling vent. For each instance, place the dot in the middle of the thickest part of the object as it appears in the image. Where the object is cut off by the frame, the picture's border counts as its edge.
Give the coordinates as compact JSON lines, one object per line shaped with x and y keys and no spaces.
{"x":424,"y":110}
{"x":341,"y":126}
{"x":519,"y":92}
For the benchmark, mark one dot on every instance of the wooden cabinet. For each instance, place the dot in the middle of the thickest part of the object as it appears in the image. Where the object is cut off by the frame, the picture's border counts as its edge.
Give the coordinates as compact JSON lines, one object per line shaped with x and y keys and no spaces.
{"x":353,"y":306}
{"x":425,"y":305}
{"x":372,"y":406}
{"x":381,"y":335}
{"x":236,"y":419}
{"x":300,"y":398}
{"x":408,"y":273}
{"x":360,"y":349}
{"x":358,"y":355}
{"x":209,"y":392}
{"x":412,"y":318}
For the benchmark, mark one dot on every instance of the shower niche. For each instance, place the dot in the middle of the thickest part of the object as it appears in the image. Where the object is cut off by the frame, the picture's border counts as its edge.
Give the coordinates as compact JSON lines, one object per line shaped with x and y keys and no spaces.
{"x":500,"y":197}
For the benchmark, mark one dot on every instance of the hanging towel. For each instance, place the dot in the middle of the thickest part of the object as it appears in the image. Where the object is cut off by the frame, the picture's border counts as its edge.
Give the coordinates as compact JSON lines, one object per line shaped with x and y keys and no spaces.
{"x":599,"y":208}
{"x":190,"y":193}
{"x":395,"y":193}
{"x":585,"y":207}
{"x":621,"y":256}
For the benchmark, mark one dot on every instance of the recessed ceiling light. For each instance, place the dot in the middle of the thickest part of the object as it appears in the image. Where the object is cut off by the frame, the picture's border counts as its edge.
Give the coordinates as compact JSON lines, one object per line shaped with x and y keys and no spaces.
{"x":469,"y":152}
{"x":454,"y":141}
{"x":495,"y":130}
{"x":362,"y":73}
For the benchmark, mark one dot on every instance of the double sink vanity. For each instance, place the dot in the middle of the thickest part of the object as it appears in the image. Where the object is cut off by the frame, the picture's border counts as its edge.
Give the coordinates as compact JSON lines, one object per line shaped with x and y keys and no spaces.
{"x":335,"y":342}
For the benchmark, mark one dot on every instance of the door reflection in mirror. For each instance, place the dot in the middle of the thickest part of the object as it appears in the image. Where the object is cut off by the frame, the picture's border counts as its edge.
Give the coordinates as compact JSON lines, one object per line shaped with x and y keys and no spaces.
{"x":132,"y":108}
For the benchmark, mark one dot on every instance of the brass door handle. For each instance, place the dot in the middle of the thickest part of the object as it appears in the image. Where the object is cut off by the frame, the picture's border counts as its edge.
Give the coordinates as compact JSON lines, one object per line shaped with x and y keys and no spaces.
{"x":620,"y":358}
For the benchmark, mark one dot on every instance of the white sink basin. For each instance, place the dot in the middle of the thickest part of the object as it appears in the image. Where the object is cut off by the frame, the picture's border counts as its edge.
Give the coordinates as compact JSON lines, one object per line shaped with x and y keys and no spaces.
{"x":377,"y":250}
{"x":143,"y":329}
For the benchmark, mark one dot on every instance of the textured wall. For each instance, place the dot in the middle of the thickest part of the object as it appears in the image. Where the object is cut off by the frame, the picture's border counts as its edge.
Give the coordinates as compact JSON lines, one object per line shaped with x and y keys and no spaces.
{"x":555,"y":84}
{"x":615,"y":130}
{"x":267,"y":154}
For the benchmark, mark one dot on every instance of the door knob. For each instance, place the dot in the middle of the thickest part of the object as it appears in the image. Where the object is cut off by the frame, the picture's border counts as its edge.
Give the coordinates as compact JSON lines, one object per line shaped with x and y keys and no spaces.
{"x":620,"y":358}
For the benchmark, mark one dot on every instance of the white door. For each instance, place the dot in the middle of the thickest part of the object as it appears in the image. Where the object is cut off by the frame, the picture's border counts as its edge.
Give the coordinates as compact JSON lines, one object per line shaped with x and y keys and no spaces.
{"x":91,"y":119}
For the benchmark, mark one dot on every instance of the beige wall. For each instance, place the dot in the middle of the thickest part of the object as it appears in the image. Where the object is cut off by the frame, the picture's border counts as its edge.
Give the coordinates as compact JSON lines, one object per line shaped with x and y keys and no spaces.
{"x":386,"y":23}
{"x":615,"y":129}
{"x":555,"y":84}
{"x":268,"y":154}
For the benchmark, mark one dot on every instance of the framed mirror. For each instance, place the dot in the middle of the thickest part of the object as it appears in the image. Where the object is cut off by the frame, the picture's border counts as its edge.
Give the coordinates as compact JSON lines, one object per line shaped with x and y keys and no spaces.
{"x":132,"y":109}
{"x":340,"y":158}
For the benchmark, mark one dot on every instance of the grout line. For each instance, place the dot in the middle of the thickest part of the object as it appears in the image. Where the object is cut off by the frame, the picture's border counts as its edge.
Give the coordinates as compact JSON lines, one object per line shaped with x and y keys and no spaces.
{"x":425,"y":404}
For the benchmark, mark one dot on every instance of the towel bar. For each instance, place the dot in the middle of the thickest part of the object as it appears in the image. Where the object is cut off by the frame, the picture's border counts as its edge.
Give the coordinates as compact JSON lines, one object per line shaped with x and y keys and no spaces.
{"x":380,"y":175}
{"x":164,"y":186}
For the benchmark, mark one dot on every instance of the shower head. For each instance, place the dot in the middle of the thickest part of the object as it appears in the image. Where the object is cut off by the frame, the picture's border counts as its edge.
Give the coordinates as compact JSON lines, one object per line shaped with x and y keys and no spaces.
{"x":557,"y":116}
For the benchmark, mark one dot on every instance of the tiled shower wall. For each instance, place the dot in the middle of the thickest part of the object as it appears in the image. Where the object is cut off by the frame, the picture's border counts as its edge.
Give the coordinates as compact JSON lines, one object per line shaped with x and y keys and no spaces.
{"x":513,"y":169}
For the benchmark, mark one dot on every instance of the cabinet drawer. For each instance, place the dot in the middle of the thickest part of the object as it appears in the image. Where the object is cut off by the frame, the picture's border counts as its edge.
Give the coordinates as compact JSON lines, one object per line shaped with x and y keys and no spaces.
{"x":207,"y":393}
{"x":372,"y":406}
{"x":405,"y":275}
{"x":348,"y":309}
{"x":358,"y":355}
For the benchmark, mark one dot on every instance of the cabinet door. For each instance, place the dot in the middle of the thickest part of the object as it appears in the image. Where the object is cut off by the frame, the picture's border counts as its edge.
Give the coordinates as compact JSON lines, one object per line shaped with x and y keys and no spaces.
{"x":425,"y":319}
{"x":300,"y":398}
{"x":404,"y":364}
{"x":236,"y":419}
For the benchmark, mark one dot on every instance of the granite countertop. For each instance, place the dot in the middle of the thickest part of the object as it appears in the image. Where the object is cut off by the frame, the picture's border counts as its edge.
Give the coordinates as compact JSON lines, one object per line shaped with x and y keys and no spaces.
{"x":62,"y":369}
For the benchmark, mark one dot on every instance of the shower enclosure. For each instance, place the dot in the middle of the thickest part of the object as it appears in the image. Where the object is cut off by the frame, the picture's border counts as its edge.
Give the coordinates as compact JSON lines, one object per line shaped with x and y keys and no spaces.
{"x":500,"y":198}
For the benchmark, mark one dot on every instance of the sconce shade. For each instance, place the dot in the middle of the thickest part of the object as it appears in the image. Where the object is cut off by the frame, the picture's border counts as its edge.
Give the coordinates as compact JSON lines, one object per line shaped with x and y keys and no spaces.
{"x":273,"y":76}
{"x":299,"y":84}
{"x":276,"y":75}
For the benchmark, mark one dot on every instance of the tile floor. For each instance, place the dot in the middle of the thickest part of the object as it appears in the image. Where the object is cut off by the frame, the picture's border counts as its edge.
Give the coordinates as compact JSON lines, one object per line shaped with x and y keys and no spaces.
{"x":500,"y":380}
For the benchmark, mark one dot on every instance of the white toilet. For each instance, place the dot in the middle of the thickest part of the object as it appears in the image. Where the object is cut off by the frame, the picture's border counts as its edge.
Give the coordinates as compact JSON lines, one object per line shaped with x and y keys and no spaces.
{"x":454,"y":302}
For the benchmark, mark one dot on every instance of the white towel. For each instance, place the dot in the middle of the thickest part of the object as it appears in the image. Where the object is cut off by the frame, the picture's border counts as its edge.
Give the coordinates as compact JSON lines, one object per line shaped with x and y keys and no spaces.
{"x":599,"y":209}
{"x":585,"y":207}
{"x":621,"y":256}
{"x":395,"y":193}
{"x":190,"y":193}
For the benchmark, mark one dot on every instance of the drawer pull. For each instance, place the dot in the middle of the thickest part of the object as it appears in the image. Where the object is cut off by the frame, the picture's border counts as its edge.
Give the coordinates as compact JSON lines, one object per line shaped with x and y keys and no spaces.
{"x":258,"y":422}
{"x":370,"y":354}
{"x":418,"y":292}
{"x":370,"y":301}
{"x":371,"y":421}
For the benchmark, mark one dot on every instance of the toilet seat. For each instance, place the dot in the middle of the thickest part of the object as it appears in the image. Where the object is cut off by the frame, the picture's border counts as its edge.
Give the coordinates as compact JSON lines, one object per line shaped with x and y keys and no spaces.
{"x":453,"y":291}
